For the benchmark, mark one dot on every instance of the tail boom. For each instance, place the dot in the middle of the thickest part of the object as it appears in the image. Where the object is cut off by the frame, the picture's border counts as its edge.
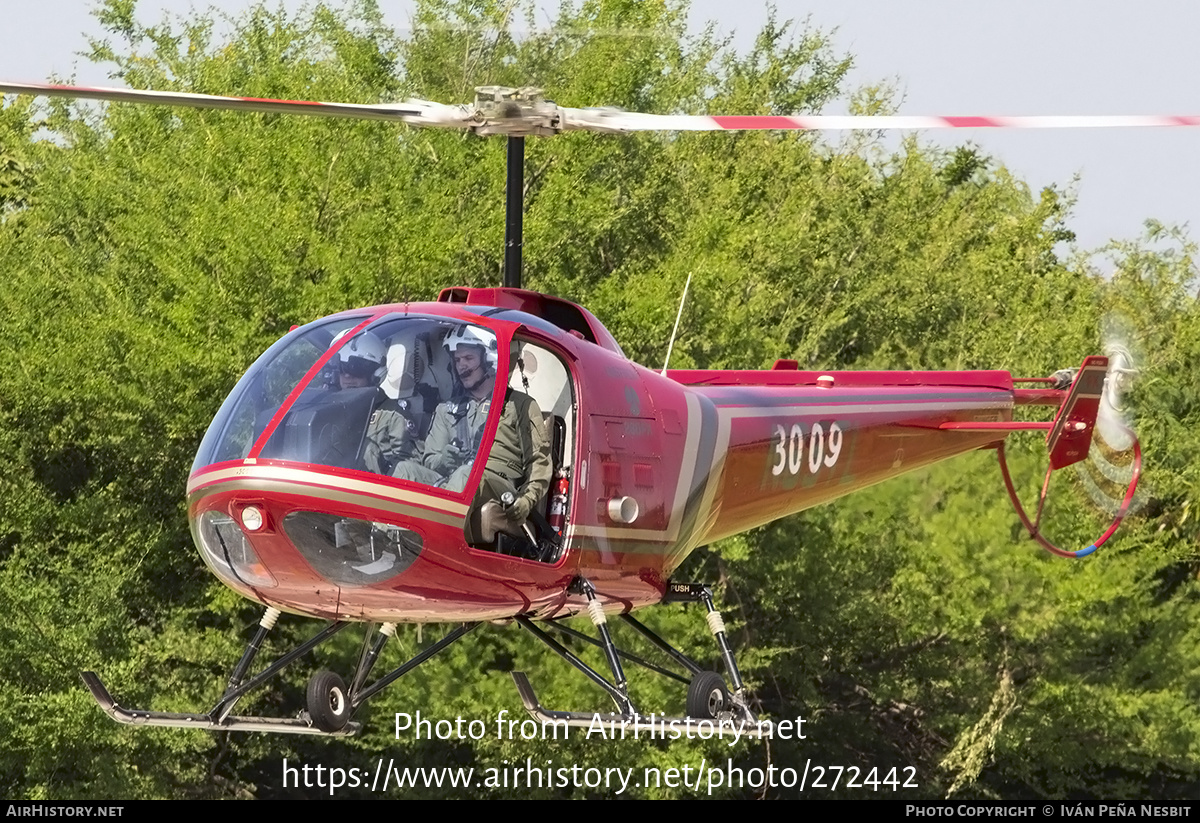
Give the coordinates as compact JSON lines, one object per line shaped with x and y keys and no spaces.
{"x":788,"y":440}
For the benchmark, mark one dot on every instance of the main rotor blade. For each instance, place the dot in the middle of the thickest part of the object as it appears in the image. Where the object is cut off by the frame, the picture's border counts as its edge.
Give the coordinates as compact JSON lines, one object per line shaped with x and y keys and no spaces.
{"x":414,"y":112}
{"x":617,"y":121}
{"x":537,"y":117}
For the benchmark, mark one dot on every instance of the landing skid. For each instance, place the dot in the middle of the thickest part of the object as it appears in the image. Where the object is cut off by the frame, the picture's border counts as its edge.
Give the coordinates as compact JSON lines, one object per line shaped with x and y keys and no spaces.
{"x":330,"y":703}
{"x":136,"y":717}
{"x":651,"y":726}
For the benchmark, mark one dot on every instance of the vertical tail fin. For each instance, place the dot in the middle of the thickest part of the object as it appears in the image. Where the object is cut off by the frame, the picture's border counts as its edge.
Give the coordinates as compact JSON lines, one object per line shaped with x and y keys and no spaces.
{"x":1070,"y":436}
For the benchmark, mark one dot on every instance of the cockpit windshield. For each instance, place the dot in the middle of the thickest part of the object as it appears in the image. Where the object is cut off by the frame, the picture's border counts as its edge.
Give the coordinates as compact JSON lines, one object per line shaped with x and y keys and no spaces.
{"x":403,"y":396}
{"x":263,"y":389}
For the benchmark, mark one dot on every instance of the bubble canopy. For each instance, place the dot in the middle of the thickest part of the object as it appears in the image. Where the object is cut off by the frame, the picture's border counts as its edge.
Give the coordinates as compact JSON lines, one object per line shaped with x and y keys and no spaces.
{"x":362,"y":393}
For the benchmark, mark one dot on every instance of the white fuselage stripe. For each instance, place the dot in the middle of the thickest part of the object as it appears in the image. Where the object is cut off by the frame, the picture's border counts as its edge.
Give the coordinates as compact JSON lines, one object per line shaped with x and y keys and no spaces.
{"x":320,"y":480}
{"x":727,"y":413}
{"x":329,"y":495}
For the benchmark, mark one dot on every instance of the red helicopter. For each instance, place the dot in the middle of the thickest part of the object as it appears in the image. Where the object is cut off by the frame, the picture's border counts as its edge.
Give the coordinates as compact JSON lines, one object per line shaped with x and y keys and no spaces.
{"x":290,"y":507}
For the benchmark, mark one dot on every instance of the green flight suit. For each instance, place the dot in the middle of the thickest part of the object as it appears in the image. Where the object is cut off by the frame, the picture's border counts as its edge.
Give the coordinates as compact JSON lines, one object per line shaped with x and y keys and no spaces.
{"x":389,"y":441}
{"x":520,"y":457}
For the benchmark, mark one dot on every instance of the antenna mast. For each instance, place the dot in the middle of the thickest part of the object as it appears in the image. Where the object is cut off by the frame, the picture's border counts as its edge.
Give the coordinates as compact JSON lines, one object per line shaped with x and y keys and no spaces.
{"x":678,"y":315}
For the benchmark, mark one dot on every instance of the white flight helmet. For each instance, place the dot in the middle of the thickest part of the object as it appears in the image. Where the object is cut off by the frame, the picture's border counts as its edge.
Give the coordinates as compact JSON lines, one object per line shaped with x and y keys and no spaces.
{"x":465,"y":335}
{"x":363,"y":356}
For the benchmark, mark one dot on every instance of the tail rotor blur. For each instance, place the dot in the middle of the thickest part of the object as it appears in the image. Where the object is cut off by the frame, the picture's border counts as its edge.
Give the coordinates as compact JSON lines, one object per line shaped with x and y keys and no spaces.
{"x":1107,"y":472}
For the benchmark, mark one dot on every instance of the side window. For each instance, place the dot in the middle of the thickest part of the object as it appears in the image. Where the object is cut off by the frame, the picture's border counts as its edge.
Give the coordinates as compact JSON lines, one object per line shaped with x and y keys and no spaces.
{"x":549,"y":383}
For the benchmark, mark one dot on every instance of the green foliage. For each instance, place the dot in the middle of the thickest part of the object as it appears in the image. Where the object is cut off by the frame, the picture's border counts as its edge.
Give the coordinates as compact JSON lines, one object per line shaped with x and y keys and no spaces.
{"x":152,"y":253}
{"x":16,"y":131}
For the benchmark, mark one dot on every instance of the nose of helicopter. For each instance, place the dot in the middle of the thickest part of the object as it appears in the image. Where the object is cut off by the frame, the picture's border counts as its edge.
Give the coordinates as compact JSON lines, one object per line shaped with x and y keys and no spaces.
{"x":271,"y":550}
{"x":312,"y":556}
{"x":342,"y":550}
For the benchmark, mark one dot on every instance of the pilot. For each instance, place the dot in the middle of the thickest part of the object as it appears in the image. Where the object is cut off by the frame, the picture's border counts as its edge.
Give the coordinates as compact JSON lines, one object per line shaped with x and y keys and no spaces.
{"x":520,"y":458}
{"x":361,"y":364}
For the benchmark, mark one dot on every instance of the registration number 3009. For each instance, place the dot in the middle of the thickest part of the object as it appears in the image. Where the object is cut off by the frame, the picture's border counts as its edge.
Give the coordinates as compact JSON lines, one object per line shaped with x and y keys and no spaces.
{"x":823,"y":448}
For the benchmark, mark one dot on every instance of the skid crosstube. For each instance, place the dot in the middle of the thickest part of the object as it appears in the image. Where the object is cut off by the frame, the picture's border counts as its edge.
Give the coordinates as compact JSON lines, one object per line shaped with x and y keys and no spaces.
{"x":137,"y":717}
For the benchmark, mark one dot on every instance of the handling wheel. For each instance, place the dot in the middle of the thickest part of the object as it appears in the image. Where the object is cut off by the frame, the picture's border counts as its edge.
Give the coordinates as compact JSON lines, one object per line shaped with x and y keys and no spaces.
{"x":707,"y":696}
{"x":328,"y":703}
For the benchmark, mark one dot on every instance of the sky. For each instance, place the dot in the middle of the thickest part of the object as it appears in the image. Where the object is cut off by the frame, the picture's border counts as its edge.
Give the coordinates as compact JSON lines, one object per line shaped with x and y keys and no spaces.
{"x":945,"y":57}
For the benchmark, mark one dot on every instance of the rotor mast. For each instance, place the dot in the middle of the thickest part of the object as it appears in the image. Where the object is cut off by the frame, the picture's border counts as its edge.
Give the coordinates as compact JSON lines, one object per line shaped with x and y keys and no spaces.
{"x":514,"y":212}
{"x":515,"y":113}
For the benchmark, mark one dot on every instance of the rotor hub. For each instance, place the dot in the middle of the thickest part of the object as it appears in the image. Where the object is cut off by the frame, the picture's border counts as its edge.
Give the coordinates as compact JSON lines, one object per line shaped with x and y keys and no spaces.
{"x":514,"y":112}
